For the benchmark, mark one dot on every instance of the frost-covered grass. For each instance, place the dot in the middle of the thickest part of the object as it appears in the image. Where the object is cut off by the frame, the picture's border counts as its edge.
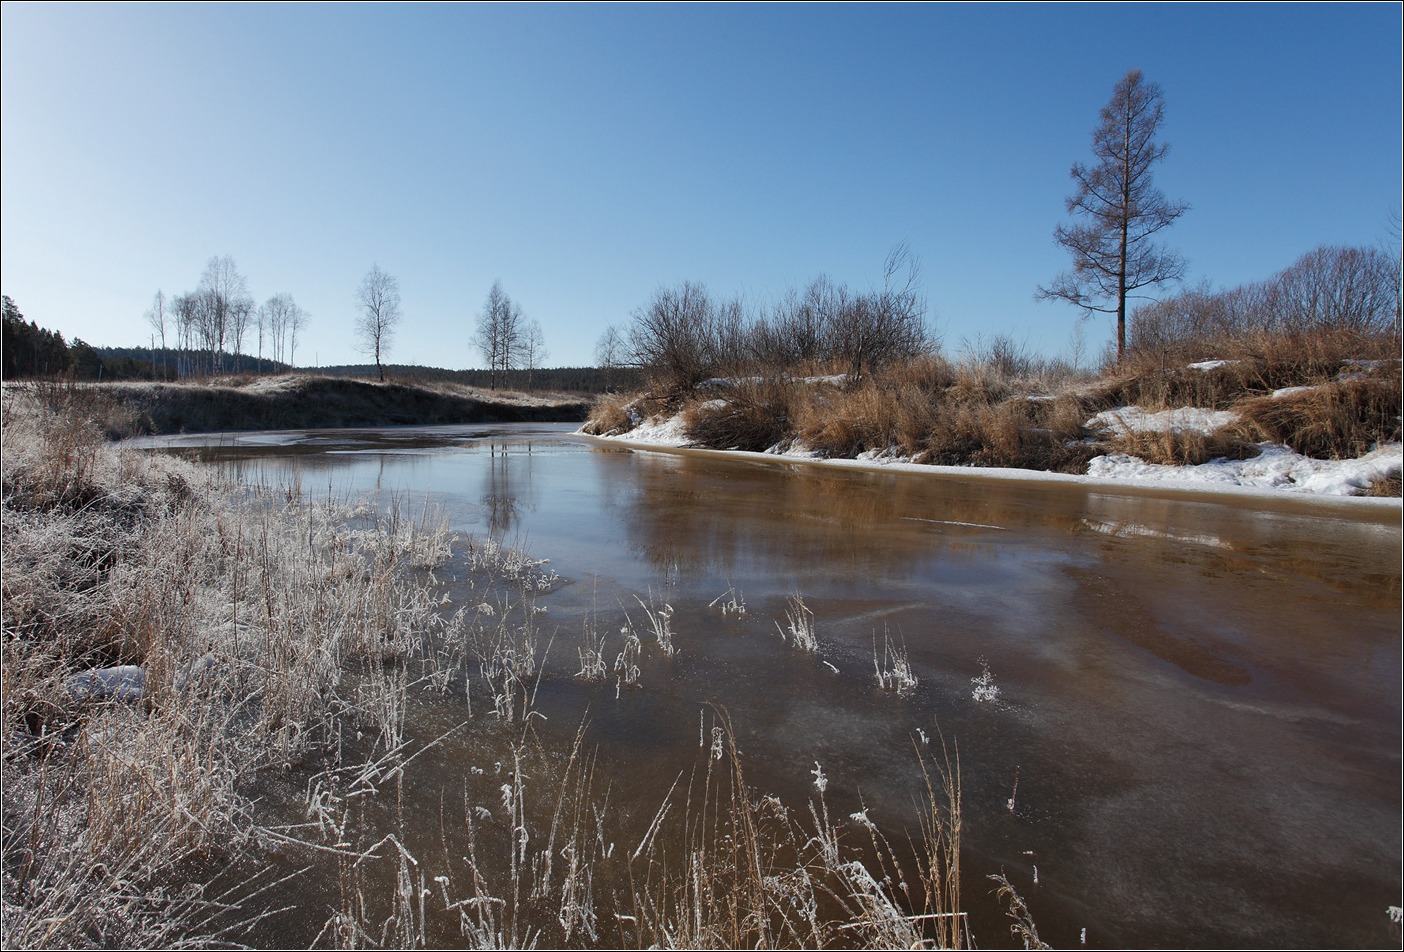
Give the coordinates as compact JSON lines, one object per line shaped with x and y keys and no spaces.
{"x":245,"y":617}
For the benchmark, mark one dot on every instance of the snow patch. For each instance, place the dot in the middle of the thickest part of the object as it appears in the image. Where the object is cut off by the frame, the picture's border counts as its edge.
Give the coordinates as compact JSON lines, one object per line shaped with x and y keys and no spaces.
{"x":1179,"y":420}
{"x":1276,"y":467}
{"x":833,"y":380}
{"x":661,"y":431}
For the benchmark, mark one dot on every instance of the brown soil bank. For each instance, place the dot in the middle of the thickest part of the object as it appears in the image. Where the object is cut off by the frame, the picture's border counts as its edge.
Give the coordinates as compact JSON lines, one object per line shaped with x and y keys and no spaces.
{"x":310,"y":402}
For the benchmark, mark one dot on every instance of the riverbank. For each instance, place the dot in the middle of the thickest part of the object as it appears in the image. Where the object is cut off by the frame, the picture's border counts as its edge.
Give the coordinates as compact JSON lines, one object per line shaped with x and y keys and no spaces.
{"x":301,"y":401}
{"x":1277,"y":473}
{"x":1234,"y":426}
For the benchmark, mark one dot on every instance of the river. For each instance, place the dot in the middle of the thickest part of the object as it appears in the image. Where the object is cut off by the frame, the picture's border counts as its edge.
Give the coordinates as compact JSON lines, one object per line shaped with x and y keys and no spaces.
{"x":1196,"y":735}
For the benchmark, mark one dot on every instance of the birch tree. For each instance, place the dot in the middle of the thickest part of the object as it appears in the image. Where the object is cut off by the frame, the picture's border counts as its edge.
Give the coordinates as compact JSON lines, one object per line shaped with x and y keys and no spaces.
{"x":499,"y":333}
{"x":379,"y":301}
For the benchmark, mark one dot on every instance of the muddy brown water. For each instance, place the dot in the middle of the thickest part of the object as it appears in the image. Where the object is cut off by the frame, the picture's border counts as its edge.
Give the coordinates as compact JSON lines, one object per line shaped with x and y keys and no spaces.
{"x":1199,"y":697}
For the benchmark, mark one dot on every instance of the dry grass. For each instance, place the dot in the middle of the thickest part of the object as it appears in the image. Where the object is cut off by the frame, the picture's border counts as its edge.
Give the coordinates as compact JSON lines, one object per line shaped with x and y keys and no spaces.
{"x":610,"y":415}
{"x":1390,"y":486}
{"x":1340,"y":419}
{"x":1182,"y":447}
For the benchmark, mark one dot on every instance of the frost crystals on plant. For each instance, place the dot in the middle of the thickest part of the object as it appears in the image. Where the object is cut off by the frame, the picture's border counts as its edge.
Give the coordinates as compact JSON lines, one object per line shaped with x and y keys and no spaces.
{"x":985,"y":688}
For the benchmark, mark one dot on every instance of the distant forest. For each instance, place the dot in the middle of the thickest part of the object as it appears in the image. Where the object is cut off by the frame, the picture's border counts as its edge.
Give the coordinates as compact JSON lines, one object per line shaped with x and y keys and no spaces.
{"x":33,"y":351}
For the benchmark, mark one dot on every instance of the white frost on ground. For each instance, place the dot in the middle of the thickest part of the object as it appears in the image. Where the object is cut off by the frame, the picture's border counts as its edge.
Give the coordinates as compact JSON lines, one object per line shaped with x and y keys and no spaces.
{"x":1209,"y":364}
{"x":1178,"y":420}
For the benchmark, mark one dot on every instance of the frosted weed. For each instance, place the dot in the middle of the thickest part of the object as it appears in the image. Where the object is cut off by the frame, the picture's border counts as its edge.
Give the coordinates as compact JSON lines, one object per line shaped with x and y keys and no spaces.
{"x":799,"y":631}
{"x":626,"y":663}
{"x":985,"y":688}
{"x":893,"y":669}
{"x":592,"y":663}
{"x":732,"y":602}
{"x":661,"y":621}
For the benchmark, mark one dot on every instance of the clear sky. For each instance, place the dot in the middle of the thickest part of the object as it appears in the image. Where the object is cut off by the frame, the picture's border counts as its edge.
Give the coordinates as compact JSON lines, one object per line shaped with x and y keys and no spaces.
{"x":586,"y":155}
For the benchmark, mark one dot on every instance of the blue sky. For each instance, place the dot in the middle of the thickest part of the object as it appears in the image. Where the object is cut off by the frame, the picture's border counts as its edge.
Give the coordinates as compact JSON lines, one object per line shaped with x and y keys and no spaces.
{"x":586,"y":155}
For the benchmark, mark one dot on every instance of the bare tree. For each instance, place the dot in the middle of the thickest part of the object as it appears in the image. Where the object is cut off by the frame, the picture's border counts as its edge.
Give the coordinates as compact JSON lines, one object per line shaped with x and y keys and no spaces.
{"x":208,"y":325}
{"x":224,"y":307}
{"x":241,"y":315}
{"x":499,"y":333}
{"x":156,"y":317}
{"x":379,"y":300}
{"x":533,"y":348}
{"x":673,"y":337}
{"x":1120,"y":210}
{"x":183,"y":311}
{"x":610,"y":352}
{"x":296,"y":325}
{"x":487,"y":335}
{"x":261,"y":323}
{"x":279,"y":320}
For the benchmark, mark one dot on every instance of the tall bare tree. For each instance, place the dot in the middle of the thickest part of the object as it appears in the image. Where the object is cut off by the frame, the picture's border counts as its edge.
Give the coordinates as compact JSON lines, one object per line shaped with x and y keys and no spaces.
{"x":223,"y":308}
{"x":379,"y":300}
{"x":183,"y":309}
{"x":1119,"y":210}
{"x":296,"y":326}
{"x":610,"y":352}
{"x":157,"y":318}
{"x":533,"y":349}
{"x":280,"y":319}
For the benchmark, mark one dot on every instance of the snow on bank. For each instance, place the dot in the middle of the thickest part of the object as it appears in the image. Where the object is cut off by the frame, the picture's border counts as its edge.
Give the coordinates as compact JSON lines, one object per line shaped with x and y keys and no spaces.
{"x":1179,"y":420}
{"x":657,"y":431}
{"x":1277,"y":469}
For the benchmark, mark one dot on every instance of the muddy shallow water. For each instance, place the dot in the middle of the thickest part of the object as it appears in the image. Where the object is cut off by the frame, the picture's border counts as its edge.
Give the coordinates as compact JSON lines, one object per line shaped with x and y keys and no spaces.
{"x":1199,"y":697}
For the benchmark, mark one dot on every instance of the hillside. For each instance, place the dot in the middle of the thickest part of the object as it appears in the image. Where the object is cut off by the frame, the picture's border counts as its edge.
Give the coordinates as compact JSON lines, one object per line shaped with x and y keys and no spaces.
{"x":305,"y":401}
